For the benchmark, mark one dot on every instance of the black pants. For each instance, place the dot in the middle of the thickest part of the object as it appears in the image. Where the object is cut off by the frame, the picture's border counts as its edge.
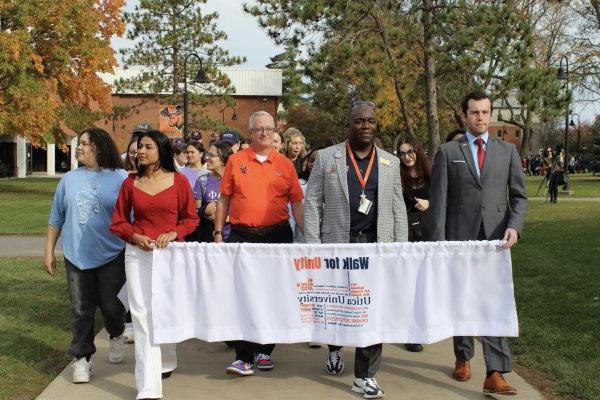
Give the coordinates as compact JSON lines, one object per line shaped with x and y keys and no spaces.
{"x":245,"y":350}
{"x":366,"y":359}
{"x":91,"y":288}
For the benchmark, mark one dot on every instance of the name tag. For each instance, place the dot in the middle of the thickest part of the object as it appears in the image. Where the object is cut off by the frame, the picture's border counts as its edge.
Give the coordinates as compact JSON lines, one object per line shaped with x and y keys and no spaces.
{"x":458,"y":161}
{"x":384,"y":161}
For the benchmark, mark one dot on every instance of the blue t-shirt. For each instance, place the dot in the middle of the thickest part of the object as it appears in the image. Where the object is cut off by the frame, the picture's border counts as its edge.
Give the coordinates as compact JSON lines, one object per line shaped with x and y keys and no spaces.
{"x":83,"y":208}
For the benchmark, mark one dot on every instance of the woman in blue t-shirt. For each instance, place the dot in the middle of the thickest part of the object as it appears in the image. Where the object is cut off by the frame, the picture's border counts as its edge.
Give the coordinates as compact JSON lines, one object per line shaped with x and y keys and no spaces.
{"x":94,"y":257}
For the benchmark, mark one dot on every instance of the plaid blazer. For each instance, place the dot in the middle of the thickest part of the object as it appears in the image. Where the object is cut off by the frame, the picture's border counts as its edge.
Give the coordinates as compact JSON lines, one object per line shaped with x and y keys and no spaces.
{"x":326,"y":205}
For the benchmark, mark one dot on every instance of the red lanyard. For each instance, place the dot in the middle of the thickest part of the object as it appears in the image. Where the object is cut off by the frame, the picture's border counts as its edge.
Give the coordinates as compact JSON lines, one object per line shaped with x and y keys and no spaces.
{"x":361,"y":180}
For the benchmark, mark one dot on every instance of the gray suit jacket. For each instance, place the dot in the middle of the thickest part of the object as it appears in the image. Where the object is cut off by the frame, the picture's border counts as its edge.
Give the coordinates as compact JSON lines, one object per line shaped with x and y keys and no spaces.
{"x":460,"y":201}
{"x":326,"y":205}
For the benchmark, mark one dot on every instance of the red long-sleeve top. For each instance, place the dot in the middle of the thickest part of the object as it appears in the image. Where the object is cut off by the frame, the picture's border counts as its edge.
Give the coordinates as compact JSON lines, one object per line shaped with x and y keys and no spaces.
{"x":173,"y":209}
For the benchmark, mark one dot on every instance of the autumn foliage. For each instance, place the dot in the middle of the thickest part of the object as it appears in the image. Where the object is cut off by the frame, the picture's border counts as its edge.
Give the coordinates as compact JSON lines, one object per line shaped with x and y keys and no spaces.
{"x":50,"y":54}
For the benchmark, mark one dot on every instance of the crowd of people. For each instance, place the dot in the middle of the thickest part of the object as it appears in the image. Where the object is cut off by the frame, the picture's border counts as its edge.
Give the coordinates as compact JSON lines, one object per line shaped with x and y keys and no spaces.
{"x":270,"y":188}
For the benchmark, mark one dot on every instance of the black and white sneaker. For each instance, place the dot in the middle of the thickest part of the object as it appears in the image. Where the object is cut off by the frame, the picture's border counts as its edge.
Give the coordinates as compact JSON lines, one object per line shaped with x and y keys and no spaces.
{"x":334,"y":364}
{"x":368,"y":387}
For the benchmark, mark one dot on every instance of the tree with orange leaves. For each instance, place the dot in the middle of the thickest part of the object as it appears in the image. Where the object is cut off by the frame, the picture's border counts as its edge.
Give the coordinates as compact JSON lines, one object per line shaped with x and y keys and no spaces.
{"x":50,"y":54}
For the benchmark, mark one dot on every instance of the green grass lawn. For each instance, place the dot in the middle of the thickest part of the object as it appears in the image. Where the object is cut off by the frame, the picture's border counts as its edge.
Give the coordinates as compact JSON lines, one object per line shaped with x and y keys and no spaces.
{"x":557,"y":287}
{"x":581,"y":185}
{"x":25,"y":205}
{"x":34,"y":327}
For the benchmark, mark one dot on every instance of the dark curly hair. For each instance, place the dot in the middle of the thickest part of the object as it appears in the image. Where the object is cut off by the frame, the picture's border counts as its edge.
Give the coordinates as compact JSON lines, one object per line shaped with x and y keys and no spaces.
{"x":107,"y":155}
{"x":165,"y":152}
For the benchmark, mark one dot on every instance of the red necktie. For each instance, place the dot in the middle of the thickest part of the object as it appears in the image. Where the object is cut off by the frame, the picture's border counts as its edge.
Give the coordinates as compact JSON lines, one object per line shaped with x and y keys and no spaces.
{"x":480,"y":153}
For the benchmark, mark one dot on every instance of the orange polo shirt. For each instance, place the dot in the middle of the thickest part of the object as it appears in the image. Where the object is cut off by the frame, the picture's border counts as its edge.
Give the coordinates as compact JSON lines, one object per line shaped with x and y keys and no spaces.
{"x":259,"y":192}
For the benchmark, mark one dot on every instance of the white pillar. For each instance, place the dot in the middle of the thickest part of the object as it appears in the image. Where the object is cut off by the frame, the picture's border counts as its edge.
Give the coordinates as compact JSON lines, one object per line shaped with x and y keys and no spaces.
{"x":21,"y":157}
{"x":50,"y":159}
{"x":73,"y":157}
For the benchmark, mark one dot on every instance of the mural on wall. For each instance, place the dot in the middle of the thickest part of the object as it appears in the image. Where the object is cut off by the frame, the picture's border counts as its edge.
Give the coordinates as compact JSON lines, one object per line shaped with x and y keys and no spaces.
{"x":170,"y":121}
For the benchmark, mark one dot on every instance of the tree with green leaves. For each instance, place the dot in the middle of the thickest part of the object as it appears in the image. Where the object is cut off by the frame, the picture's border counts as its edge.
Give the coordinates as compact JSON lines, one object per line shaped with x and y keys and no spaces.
{"x":164,"y":33}
{"x":293,"y":86}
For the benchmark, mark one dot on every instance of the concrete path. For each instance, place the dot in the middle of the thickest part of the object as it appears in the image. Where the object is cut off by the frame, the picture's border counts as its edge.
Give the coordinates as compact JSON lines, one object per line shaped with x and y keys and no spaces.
{"x":25,"y":246}
{"x":299,"y":374}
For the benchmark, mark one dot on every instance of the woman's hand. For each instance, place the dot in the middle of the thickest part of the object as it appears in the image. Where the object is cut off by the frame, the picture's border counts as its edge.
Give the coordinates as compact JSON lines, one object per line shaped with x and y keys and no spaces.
{"x":143,"y":242}
{"x":422,"y":204}
{"x":211,"y":211}
{"x":50,"y":263}
{"x":164,"y":239}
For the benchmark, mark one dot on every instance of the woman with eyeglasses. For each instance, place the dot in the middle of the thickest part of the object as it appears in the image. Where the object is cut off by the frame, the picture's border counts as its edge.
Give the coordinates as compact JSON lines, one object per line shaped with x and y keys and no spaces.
{"x":415,"y":172}
{"x":206,"y":193}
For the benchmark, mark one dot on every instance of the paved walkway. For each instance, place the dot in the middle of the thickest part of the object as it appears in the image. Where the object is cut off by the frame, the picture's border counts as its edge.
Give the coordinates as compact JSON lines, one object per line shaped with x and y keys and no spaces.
{"x":299,"y":374}
{"x":25,"y":246}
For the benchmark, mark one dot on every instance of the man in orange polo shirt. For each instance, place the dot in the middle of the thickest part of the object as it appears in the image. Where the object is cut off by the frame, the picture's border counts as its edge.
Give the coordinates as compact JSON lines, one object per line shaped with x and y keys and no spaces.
{"x":257,"y":185}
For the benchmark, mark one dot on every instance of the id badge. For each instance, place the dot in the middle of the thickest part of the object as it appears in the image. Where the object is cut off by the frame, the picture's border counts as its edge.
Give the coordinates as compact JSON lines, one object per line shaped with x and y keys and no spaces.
{"x":365,"y":205}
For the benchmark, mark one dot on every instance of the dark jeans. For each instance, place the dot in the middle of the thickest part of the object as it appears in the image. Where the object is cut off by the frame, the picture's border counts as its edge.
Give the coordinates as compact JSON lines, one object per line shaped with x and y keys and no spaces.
{"x":91,"y":288}
{"x":366,"y":359}
{"x":245,"y":350}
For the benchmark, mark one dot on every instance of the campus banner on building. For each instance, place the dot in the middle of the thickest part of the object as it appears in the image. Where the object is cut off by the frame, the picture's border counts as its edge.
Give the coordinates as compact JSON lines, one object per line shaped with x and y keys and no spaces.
{"x":343,"y":294}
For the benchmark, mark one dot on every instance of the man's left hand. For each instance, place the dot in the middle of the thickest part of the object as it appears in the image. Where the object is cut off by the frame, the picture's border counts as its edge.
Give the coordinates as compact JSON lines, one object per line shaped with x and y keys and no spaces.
{"x":510,"y":237}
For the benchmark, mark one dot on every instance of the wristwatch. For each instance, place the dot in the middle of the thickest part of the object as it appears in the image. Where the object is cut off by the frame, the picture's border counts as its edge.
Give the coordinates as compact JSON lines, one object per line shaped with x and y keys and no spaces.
{"x":217,"y":233}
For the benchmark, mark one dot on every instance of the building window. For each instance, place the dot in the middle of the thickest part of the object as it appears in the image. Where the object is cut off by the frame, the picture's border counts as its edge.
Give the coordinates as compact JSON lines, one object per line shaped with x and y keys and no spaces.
{"x":518,"y":133}
{"x":499,"y":133}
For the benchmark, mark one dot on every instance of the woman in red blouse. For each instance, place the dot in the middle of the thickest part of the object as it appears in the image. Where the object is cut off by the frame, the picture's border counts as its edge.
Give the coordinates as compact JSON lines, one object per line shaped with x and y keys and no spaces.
{"x":163,"y":205}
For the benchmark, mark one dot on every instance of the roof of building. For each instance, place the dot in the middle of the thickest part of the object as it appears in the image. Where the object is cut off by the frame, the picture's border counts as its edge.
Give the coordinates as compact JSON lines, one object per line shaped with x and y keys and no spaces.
{"x":246,"y":81}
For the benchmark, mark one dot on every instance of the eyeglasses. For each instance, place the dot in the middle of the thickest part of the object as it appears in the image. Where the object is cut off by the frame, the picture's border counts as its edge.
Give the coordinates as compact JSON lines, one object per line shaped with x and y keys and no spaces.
{"x":358,"y":104}
{"x":268,"y":131}
{"x":411,"y":153}
{"x":212,"y":155}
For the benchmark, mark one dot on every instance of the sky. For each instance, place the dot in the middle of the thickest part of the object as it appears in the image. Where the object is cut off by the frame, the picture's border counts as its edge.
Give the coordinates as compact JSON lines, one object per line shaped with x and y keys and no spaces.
{"x":245,"y":37}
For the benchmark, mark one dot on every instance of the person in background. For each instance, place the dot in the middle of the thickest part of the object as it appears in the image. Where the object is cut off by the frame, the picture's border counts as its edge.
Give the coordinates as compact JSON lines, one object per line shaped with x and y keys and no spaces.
{"x":277,"y":141}
{"x":195,"y":168}
{"x":455,"y":134}
{"x":294,"y":147}
{"x":415,"y":171}
{"x":179,"y":156}
{"x":140,"y":128}
{"x":94,"y":259}
{"x":131,"y":159}
{"x":232,"y":138}
{"x":162,"y":202}
{"x":245,"y":144}
{"x":206,"y":194}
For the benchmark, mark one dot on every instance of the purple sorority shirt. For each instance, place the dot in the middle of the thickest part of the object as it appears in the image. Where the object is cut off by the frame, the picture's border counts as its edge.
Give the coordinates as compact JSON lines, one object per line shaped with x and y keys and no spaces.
{"x":207,"y":189}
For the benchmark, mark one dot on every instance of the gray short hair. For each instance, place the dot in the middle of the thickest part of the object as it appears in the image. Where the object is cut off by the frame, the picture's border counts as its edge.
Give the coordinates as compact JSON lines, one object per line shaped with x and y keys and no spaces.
{"x":258,"y":114}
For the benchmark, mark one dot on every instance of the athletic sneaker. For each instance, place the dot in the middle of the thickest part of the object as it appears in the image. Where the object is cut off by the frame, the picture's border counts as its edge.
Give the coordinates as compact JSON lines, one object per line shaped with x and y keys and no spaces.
{"x":264,"y":362}
{"x":116,"y":350}
{"x":368,"y":387}
{"x":128,"y":333}
{"x":240,"y":368}
{"x":82,"y":369}
{"x":334,"y":364}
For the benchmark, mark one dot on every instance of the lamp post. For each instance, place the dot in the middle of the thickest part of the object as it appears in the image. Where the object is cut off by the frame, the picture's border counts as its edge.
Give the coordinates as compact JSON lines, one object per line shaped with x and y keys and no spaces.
{"x":563,"y":74}
{"x":234,"y":117}
{"x":572,"y":125}
{"x":200,"y":78}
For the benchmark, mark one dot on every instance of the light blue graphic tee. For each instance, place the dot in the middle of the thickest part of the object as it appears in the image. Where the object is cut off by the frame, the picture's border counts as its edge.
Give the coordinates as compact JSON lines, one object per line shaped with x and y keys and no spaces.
{"x":83,"y":208}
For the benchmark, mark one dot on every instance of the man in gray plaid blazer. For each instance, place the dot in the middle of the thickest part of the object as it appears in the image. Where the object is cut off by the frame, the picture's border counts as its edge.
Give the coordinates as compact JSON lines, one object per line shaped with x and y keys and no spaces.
{"x":354,"y":195}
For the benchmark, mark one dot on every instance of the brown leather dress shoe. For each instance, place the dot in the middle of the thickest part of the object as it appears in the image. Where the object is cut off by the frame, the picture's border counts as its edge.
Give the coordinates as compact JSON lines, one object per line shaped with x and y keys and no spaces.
{"x":496,"y":384}
{"x":462,"y":371}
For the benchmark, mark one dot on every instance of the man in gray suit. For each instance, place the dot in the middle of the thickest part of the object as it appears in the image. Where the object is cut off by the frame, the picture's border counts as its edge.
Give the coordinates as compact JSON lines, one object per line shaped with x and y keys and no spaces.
{"x":478,"y":193}
{"x":354,"y":195}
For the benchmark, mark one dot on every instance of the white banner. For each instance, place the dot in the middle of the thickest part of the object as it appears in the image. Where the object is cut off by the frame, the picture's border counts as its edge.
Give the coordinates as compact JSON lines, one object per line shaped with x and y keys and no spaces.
{"x":343,"y":294}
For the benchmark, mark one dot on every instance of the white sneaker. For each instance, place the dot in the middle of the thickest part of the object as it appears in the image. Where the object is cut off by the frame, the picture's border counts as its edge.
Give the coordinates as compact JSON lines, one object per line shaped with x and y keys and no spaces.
{"x":82,"y":369}
{"x":116,"y":350}
{"x":128,"y":332}
{"x":368,"y":387}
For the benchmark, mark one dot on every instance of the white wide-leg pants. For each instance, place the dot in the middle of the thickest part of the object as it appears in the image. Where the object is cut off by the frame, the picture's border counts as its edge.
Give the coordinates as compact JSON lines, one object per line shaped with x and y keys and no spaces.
{"x":151,"y":359}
